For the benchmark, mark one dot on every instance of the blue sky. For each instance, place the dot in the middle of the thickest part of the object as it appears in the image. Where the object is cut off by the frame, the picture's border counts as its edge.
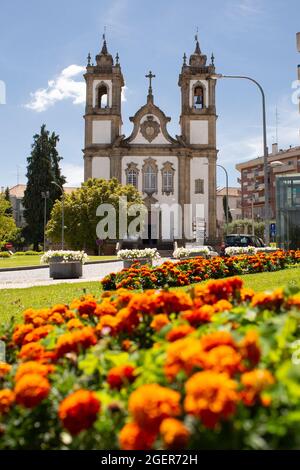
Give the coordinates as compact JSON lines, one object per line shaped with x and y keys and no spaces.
{"x":43,"y":47}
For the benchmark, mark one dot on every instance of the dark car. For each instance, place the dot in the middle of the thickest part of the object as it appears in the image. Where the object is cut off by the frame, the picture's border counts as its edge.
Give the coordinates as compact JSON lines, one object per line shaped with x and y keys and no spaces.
{"x":241,"y":240}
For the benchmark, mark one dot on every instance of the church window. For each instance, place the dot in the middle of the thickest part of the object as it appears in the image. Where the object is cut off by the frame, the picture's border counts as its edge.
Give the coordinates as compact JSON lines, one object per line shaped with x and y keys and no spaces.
{"x":150,"y":176}
{"x":102,"y":96}
{"x":198,"y":97}
{"x":199,"y":186}
{"x":132,"y":174}
{"x":167,"y":178}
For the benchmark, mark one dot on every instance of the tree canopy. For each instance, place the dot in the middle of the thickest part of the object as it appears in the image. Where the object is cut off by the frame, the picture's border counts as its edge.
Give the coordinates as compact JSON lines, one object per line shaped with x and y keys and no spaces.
{"x":8,"y":228}
{"x":80,"y":209}
{"x":43,"y":168}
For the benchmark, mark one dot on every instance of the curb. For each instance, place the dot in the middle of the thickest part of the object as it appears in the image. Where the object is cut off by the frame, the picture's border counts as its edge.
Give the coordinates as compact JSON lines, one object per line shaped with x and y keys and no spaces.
{"x":29,"y":268}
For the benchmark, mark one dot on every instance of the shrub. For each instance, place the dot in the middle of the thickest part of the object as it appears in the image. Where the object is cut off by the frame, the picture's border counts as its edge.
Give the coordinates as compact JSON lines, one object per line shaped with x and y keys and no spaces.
{"x":28,"y":253}
{"x":5,"y":254}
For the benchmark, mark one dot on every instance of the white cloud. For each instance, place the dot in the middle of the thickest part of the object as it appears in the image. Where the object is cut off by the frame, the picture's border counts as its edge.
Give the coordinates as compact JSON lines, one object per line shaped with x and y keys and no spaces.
{"x":61,"y":88}
{"x":74,"y":173}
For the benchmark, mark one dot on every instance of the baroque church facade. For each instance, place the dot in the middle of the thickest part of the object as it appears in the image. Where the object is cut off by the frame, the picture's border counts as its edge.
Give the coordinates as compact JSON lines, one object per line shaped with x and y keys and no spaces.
{"x":165,"y":169}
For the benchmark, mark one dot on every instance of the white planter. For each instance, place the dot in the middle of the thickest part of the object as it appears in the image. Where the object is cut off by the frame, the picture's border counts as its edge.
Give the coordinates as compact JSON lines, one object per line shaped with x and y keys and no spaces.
{"x":127,"y":263}
{"x":69,"y":270}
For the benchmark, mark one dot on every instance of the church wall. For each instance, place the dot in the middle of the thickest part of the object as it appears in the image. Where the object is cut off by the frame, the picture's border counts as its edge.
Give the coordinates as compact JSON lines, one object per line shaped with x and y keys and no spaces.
{"x":199,"y":132}
{"x":109,"y":85}
{"x":101,"y":131}
{"x":101,"y":167}
{"x":199,"y":169}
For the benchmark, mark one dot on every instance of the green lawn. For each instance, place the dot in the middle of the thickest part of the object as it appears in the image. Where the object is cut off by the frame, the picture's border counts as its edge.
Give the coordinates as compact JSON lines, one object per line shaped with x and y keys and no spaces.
{"x":14,"y":301}
{"x":34,"y":260}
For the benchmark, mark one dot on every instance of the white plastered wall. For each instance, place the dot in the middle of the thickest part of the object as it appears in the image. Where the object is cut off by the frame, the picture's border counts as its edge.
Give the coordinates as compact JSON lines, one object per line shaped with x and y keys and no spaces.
{"x":160,"y":139}
{"x":101,"y":167}
{"x":101,"y":131}
{"x":199,"y":132}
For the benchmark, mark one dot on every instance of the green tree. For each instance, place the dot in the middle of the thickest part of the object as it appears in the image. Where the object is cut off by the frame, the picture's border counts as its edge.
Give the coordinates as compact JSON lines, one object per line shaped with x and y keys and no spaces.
{"x":80,"y":211}
{"x":8,"y":228}
{"x":9,"y":210}
{"x":43,"y":167}
{"x":244,"y":226}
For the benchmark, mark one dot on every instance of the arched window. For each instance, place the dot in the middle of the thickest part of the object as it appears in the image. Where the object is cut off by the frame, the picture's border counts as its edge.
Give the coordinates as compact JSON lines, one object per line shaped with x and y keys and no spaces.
{"x":167,"y":178}
{"x":102,"y":96}
{"x":150,"y":176}
{"x":132,"y":174}
{"x":198,"y":98}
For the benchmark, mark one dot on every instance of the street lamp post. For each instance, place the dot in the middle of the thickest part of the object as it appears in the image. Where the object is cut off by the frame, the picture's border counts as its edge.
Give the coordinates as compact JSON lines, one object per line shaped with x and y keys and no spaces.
{"x":45,"y":196}
{"x":265,"y":149}
{"x":62,"y":213}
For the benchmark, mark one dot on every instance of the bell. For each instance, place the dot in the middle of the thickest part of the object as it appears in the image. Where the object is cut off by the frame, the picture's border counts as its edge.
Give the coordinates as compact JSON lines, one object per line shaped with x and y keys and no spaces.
{"x":199,"y":100}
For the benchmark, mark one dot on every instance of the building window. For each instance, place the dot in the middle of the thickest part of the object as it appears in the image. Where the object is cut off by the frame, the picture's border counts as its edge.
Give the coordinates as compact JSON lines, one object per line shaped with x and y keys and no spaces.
{"x":132,"y":174}
{"x":102,"y":96}
{"x":199,"y":186}
{"x":167,"y":178}
{"x":149,"y":176}
{"x":198,"y":98}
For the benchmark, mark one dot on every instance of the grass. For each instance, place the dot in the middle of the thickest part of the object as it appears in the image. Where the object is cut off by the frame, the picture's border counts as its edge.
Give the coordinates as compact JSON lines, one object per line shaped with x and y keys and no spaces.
{"x":14,"y":301}
{"x":34,"y":260}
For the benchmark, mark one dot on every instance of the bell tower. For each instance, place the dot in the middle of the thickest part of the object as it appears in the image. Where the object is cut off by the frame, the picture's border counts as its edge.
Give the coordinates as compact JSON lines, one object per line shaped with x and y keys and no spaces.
{"x":198,"y":109}
{"x":103,"y":118}
{"x":198,"y":129}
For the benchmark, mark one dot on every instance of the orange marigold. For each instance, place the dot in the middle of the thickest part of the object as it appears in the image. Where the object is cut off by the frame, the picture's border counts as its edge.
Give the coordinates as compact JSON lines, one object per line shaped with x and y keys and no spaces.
{"x":33,"y":367}
{"x":249,"y":347}
{"x":37,"y":334}
{"x":159,"y":321}
{"x":184,"y":354}
{"x":79,"y":411}
{"x":174,"y":433}
{"x":4,"y":369}
{"x":133,"y":437}
{"x":20,"y":332}
{"x":199,"y":315}
{"x":87,"y":307}
{"x":75,"y":340}
{"x":179,"y":332}
{"x":105,"y":308}
{"x":150,"y":404}
{"x":254,"y":383}
{"x":222,"y":358}
{"x":108,"y":324}
{"x":211,"y":396}
{"x":173,"y":302}
{"x":217,"y":338}
{"x":74,"y":324}
{"x":121,"y":375}
{"x":31,"y":352}
{"x":31,"y":389}
{"x":268,"y":300}
{"x":7,"y":398}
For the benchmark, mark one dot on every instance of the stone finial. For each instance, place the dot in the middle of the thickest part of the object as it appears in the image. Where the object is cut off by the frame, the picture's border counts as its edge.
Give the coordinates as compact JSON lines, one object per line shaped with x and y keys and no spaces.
{"x":212,"y":59}
{"x":89,"y":59}
{"x":184,"y":59}
{"x":117,"y":58}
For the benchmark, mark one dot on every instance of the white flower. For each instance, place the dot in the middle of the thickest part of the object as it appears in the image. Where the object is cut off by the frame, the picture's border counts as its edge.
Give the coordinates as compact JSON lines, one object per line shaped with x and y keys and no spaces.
{"x":185,"y":252}
{"x":239,"y":250}
{"x":135,"y":254}
{"x":66,"y":255}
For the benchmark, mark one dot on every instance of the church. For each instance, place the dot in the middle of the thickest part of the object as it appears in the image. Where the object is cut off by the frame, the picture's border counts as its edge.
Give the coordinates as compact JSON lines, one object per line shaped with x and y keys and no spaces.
{"x":166,"y":169}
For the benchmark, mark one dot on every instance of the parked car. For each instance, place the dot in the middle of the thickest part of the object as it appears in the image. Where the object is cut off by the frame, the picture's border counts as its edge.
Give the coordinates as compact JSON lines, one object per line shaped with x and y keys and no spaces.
{"x":241,"y":240}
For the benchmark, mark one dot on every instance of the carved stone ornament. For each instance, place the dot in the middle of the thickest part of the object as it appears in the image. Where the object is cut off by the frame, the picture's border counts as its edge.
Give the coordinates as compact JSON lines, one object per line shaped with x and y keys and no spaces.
{"x":150,"y":129}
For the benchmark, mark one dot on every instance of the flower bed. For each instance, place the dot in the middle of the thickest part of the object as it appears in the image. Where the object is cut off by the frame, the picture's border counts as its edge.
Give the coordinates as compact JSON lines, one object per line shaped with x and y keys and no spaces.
{"x":183,"y":252}
{"x":64,"y":256}
{"x":213,"y":368}
{"x":190,"y":271}
{"x":150,"y":253}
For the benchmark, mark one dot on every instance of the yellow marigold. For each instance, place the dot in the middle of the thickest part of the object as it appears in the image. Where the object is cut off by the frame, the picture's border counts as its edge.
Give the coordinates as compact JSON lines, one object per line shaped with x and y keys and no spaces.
{"x":175,"y":435}
{"x":133,"y":437}
{"x":159,"y":321}
{"x":33,"y":367}
{"x":4,"y":369}
{"x":7,"y":398}
{"x":294,"y":301}
{"x":184,"y":354}
{"x":150,"y":404}
{"x":268,"y":300}
{"x":79,"y":411}
{"x":211,"y":396}
{"x":31,"y":389}
{"x":254,"y":383}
